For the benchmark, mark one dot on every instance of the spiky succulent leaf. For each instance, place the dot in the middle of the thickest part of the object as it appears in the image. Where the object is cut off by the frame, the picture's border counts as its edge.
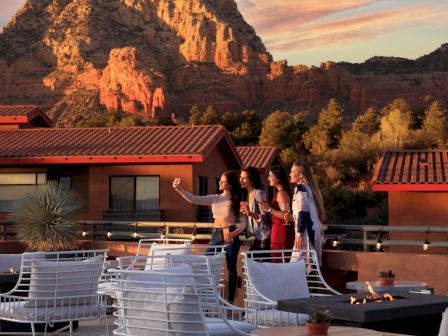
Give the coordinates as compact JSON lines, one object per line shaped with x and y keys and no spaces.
{"x":45,"y":218}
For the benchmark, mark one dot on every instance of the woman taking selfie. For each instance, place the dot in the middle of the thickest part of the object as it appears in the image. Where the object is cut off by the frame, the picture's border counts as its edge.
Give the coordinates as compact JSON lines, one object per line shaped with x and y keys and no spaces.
{"x":225,"y":209}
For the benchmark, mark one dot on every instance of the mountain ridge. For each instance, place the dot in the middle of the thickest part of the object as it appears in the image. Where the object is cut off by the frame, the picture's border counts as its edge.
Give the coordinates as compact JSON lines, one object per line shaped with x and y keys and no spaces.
{"x":160,"y":57}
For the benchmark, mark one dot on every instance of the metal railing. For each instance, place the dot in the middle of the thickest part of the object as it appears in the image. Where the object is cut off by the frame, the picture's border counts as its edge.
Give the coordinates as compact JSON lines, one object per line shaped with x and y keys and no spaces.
{"x":368,"y":236}
{"x":364,"y":237}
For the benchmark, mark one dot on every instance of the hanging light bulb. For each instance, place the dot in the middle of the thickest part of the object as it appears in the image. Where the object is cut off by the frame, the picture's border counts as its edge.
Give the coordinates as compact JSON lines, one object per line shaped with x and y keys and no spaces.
{"x":162,"y":236}
{"x":135,"y":231}
{"x":336,"y":242}
{"x":84,"y":232}
{"x":193,"y":235}
{"x":426,"y":245}
{"x":379,"y":243}
{"x":109,"y":232}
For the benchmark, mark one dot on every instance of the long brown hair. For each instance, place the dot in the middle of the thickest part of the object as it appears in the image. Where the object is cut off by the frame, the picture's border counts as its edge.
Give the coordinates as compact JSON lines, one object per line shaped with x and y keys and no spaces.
{"x":235,"y":191}
{"x":311,"y":181}
{"x":282,"y":176}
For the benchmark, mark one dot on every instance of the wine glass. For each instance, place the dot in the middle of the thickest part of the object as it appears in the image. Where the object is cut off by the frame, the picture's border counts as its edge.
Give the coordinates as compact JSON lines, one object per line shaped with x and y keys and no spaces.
{"x":287,"y":212}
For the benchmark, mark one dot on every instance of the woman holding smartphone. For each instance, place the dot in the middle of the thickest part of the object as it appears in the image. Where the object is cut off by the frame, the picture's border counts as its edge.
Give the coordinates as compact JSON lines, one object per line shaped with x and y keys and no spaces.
{"x":225,"y":209}
{"x":282,"y":235}
{"x":259,"y":222}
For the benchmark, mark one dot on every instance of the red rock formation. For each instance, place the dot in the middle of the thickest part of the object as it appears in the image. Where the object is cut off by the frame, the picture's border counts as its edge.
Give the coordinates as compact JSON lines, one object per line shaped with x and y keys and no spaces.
{"x":156,"y":57}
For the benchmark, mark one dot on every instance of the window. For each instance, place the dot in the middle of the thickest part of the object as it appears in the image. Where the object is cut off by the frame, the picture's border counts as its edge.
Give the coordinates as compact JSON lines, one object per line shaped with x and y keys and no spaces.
{"x":66,"y":181}
{"x":202,"y":185}
{"x":13,"y":186}
{"x":134,"y":192}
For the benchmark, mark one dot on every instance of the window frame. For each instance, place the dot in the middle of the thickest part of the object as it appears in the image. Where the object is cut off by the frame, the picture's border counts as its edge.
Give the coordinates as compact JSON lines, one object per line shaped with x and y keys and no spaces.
{"x":135,"y":189}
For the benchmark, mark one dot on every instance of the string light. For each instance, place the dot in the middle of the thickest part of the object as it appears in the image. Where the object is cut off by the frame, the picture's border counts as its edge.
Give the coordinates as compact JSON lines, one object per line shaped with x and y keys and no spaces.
{"x":84,"y":232}
{"x":426,"y":242}
{"x":193,"y":235}
{"x":336,"y":242}
{"x":379,"y":243}
{"x":109,"y":233}
{"x":379,"y":240}
{"x":135,"y":230}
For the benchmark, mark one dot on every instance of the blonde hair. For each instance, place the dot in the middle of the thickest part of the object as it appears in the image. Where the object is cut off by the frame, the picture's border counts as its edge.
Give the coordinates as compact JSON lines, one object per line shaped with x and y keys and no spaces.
{"x":311,"y":181}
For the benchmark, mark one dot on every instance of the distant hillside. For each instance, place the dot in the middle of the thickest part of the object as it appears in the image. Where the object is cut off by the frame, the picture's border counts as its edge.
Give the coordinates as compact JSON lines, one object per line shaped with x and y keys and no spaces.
{"x":159,"y":57}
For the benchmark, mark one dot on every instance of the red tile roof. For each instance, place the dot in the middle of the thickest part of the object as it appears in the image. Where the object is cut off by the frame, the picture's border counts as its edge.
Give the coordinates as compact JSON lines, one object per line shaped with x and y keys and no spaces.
{"x":412,"y":170}
{"x":21,"y":114}
{"x":258,"y":157}
{"x":129,"y":144}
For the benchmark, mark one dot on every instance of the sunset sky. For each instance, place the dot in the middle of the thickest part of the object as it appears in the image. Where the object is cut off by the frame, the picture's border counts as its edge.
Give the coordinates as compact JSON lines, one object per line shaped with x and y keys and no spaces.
{"x":314,"y":31}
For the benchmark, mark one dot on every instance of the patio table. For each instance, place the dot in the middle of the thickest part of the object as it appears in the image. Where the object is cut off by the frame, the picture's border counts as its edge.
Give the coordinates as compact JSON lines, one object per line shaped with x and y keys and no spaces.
{"x":334,"y":330}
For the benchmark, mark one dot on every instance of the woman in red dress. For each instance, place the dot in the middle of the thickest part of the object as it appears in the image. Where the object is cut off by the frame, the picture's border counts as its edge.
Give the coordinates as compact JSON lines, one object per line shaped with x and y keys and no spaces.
{"x":282,"y":234}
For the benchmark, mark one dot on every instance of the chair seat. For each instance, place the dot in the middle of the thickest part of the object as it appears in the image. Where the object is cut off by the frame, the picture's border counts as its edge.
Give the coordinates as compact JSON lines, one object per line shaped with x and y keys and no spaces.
{"x":216,"y":326}
{"x":277,"y":318}
{"x":18,"y":311}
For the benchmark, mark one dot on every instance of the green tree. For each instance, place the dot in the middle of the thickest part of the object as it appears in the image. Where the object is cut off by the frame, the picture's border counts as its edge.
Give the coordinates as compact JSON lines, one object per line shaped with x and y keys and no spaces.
{"x":368,"y":122}
{"x":282,"y":130}
{"x":112,"y":118}
{"x":195,"y":116}
{"x":210,"y":117}
{"x":248,"y":131}
{"x":434,"y":124}
{"x":327,"y":132}
{"x":395,"y":128}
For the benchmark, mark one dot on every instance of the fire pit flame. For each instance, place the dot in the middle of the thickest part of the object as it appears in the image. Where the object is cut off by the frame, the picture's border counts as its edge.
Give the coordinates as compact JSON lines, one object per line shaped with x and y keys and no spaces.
{"x":373,"y":297}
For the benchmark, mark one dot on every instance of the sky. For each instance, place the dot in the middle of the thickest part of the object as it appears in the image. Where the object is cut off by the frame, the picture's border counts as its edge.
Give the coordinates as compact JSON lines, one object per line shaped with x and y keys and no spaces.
{"x":313,"y":31}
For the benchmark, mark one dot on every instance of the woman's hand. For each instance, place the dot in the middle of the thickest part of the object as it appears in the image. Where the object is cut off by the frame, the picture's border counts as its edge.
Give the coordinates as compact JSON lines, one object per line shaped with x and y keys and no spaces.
{"x":264,"y":206}
{"x":228,"y":236}
{"x":298,"y":242}
{"x":177,"y":183}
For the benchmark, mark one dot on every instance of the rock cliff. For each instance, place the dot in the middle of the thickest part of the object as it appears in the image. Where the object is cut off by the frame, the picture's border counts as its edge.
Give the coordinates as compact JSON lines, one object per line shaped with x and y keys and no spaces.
{"x":158,"y":57}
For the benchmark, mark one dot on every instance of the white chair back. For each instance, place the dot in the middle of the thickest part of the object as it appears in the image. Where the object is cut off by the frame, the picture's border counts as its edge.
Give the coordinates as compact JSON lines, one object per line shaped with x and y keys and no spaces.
{"x":181,"y":299}
{"x":149,"y":246}
{"x":56,"y":286}
{"x":269,"y":278}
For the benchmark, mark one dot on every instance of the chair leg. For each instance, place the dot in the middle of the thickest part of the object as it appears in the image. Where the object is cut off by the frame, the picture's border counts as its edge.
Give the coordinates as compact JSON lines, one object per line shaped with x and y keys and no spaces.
{"x":105,"y":323}
{"x":33,"y":330}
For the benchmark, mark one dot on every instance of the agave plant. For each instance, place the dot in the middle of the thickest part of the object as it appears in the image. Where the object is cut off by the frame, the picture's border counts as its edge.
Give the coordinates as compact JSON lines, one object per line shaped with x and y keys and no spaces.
{"x":45,"y":218}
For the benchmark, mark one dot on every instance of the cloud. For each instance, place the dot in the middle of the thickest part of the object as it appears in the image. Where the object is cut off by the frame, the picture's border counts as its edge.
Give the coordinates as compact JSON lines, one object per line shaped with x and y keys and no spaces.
{"x":287,"y":28}
{"x":279,"y":15}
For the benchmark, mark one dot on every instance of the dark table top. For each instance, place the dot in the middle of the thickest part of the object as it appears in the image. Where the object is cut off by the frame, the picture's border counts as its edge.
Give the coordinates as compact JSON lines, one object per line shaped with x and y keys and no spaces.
{"x":408,"y":305}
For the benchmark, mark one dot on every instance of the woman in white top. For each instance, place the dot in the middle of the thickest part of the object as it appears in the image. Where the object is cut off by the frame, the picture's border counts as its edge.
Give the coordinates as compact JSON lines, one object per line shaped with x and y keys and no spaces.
{"x":225,"y":209}
{"x":307,"y":209}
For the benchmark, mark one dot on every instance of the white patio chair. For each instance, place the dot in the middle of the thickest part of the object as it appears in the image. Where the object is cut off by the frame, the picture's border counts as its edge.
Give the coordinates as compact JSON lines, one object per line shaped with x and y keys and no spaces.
{"x":56,"y":287}
{"x":147,"y":247}
{"x":444,"y":324}
{"x":150,"y":247}
{"x":181,"y":299}
{"x":268,"y":282}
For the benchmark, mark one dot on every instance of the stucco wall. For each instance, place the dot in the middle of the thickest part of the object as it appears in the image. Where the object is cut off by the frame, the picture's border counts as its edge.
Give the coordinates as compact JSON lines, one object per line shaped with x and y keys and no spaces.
{"x":431,"y":269}
{"x":418,"y":209}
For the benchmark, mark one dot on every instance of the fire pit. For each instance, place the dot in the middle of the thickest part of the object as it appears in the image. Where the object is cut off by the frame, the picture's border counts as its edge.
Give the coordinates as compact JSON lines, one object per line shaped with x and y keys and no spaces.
{"x":406,"y":314}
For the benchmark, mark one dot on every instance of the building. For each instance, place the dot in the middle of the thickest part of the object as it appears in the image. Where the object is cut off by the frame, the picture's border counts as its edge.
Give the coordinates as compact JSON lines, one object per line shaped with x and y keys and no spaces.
{"x":122,"y":173}
{"x":417,"y":185}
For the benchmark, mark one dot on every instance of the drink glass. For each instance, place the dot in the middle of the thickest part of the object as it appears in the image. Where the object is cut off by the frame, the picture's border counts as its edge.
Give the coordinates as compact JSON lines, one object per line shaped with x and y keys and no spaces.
{"x":287,"y":212}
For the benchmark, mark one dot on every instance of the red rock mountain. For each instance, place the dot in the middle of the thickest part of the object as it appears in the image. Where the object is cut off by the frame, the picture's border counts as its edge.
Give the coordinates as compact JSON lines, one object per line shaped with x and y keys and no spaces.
{"x":158,"y":57}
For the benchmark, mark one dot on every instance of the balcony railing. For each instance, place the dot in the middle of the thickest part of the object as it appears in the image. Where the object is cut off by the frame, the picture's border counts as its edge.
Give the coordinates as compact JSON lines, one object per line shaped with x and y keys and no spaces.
{"x":359,"y":237}
{"x":131,"y":215}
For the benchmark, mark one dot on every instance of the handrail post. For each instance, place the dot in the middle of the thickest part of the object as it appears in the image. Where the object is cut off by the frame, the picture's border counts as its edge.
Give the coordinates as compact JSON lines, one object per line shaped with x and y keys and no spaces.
{"x":364,"y":240}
